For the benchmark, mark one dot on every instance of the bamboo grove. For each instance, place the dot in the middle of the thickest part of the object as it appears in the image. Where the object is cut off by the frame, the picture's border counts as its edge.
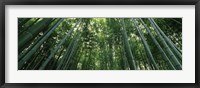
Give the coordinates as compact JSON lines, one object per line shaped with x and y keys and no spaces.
{"x":99,"y":43}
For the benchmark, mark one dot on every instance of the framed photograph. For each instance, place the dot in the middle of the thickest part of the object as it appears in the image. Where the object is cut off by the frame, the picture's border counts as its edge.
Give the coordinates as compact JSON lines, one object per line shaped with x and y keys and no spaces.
{"x":100,"y":43}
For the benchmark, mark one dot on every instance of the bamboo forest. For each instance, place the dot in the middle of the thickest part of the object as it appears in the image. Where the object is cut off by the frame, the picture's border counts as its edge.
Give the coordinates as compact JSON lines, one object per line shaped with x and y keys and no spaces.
{"x":99,"y":43}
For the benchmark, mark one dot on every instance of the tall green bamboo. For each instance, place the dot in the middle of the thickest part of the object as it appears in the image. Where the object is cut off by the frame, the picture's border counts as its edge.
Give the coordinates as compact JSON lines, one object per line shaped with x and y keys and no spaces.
{"x":66,"y":54}
{"x":68,"y":48}
{"x":168,"y":41}
{"x":22,"y":54}
{"x":74,"y":48}
{"x":58,"y":46}
{"x":33,"y":50}
{"x":23,"y":22}
{"x":29,"y":34}
{"x":99,"y":44}
{"x":172,"y":56}
{"x":145,"y":45}
{"x":130,"y":58}
{"x":22,"y":29}
{"x":158,"y":45}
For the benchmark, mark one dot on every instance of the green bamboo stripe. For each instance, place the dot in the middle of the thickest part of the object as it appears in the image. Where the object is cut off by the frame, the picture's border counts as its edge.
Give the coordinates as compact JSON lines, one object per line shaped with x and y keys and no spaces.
{"x":74,"y":47}
{"x":130,"y":58}
{"x":27,"y":35}
{"x":34,"y":49}
{"x":168,"y":41}
{"x":22,"y":29}
{"x":58,"y":46}
{"x":145,"y":45}
{"x":21,"y":55}
{"x":171,"y":55}
{"x":23,"y":22}
{"x":158,"y":45}
{"x":99,"y":44}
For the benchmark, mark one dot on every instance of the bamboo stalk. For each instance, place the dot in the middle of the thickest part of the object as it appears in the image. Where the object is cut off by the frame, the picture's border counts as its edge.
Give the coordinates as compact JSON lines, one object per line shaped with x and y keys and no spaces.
{"x":171,"y":55}
{"x":145,"y":45}
{"x":158,"y":45}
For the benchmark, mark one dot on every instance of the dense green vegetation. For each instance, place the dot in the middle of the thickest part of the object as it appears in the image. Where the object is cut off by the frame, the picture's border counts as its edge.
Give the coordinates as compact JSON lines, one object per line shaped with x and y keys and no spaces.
{"x":99,"y":43}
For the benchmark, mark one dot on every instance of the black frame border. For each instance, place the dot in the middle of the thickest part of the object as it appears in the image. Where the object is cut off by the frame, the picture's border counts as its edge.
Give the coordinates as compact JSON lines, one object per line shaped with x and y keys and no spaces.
{"x":3,"y":3}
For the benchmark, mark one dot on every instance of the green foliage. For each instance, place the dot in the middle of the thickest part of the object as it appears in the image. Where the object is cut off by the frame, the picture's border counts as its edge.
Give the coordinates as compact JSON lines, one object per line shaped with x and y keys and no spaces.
{"x":100,"y":44}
